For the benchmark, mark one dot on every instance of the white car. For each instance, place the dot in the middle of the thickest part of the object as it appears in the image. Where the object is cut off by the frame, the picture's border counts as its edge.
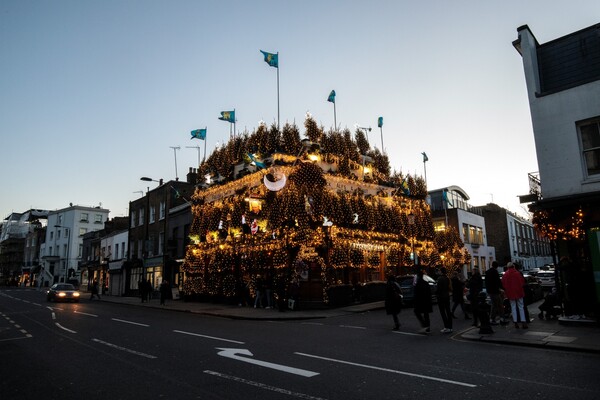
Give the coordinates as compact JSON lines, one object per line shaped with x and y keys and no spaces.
{"x":546,"y":278}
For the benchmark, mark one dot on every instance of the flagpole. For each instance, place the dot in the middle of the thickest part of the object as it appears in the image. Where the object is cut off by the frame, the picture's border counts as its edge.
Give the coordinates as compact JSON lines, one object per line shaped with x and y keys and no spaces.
{"x":334,"y":118}
{"x":234,"y":133}
{"x":424,"y":168}
{"x":278,"y":126}
{"x":204,"y":156}
{"x":382,"y":149}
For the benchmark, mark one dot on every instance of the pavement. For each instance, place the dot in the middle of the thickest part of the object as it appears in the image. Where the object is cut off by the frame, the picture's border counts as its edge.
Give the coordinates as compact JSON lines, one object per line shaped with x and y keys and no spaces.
{"x":566,"y":334}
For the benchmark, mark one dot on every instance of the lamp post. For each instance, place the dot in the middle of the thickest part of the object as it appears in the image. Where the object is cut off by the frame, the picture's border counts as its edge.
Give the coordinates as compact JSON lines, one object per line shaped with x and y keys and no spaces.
{"x":411,"y":223}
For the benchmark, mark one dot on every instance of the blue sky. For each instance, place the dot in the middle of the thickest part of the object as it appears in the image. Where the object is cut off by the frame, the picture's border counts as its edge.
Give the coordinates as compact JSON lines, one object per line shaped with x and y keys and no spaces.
{"x":93,"y":94}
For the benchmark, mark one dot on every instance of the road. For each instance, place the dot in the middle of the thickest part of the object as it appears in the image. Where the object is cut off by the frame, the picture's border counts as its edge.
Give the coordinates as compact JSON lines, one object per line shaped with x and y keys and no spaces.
{"x":101,"y":350}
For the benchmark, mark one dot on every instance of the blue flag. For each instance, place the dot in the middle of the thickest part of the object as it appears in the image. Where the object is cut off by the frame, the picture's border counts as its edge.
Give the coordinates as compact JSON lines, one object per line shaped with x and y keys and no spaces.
{"x":198,"y":134}
{"x":331,"y":97}
{"x":405,"y":188}
{"x":228,"y":116}
{"x":271,"y":59}
{"x":379,"y":122}
{"x":425,"y":158}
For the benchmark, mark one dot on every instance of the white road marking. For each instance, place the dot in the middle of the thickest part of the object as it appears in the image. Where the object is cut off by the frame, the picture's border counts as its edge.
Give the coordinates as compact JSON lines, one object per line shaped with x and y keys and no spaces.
{"x":389,"y":370}
{"x":313,"y":323}
{"x":353,"y":327}
{"x":409,"y":334}
{"x":114,"y":346}
{"x":234,"y":354}
{"x":208,"y":337}
{"x":129,"y":322}
{"x":63,"y":328}
{"x":263,"y":386}
{"x":84,"y":313}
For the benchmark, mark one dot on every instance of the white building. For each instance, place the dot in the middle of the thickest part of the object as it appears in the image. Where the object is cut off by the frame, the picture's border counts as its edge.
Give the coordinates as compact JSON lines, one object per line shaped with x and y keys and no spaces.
{"x":62,"y":250}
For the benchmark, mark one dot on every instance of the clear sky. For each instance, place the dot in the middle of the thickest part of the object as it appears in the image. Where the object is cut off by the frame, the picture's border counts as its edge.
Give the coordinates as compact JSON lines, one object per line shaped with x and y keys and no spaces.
{"x":93,"y":94}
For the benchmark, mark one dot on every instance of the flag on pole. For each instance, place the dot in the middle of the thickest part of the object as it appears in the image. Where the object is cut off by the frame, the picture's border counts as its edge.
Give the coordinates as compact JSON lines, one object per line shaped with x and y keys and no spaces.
{"x":228,"y":116}
{"x":271,"y":59}
{"x":198,"y":134}
{"x":331,"y":97}
{"x":445,"y":198}
{"x":405,"y":188}
{"x":379,"y":122}
{"x":425,"y":158}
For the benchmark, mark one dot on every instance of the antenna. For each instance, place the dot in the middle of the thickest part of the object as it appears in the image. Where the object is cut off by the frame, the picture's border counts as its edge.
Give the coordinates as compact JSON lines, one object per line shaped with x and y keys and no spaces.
{"x":175,"y":148}
{"x":197,"y":148}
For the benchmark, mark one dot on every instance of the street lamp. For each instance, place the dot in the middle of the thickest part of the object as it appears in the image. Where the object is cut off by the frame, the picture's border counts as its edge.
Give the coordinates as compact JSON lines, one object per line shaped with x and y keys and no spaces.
{"x":411,"y":223}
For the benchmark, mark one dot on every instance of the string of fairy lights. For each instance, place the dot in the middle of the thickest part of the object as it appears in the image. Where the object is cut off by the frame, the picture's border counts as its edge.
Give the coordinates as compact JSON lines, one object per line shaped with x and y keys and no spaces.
{"x":306,"y":205}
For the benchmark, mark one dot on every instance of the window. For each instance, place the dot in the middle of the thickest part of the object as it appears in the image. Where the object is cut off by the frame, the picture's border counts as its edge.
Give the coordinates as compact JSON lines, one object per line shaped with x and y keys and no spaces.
{"x":51,"y":237}
{"x":152,"y":215}
{"x":162,"y":209}
{"x":439,"y":226}
{"x":84,"y":217}
{"x":82,"y":231}
{"x":479,"y":233}
{"x":133,"y":219}
{"x":465,"y":232}
{"x":161,"y":242}
{"x":141,"y":219}
{"x":98,"y":219}
{"x":472,"y":235}
{"x":116,"y":250}
{"x":80,"y":251}
{"x":590,"y":144}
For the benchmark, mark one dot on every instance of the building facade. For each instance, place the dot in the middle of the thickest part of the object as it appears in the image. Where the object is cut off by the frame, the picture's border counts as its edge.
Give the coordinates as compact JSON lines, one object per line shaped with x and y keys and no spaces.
{"x":450,"y":209}
{"x":515,"y":239}
{"x":63,"y":246}
{"x":563,"y":86}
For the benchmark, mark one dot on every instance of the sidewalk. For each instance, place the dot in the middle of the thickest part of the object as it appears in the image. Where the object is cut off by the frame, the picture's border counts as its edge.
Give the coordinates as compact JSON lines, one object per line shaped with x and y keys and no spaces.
{"x":580,"y":335}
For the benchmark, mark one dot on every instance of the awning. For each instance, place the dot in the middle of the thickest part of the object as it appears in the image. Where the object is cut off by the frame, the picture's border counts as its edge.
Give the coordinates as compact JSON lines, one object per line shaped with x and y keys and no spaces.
{"x":115,"y":265}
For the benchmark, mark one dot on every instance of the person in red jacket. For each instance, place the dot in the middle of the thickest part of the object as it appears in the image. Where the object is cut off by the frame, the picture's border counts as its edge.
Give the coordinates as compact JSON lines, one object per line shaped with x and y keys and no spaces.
{"x":513,"y":283}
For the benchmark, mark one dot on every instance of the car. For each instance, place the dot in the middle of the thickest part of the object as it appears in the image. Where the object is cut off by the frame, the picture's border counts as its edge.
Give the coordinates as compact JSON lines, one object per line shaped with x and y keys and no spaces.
{"x":63,"y":292}
{"x":408,"y":289}
{"x":546,"y":279}
{"x":535,"y":288}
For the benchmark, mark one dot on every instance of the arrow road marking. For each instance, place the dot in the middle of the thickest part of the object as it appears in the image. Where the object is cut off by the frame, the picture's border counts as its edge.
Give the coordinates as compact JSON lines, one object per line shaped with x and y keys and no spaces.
{"x":234,"y":354}
{"x":389,"y":370}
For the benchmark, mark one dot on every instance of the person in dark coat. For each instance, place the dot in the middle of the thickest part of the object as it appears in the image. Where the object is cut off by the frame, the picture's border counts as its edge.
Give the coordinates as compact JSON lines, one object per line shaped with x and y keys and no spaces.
{"x":458,"y":288}
{"x":422,"y":302}
{"x":95,"y":290}
{"x":393,"y":300}
{"x":493,"y":287}
{"x":165,"y":290}
{"x":444,"y":291}
{"x":475,"y":287}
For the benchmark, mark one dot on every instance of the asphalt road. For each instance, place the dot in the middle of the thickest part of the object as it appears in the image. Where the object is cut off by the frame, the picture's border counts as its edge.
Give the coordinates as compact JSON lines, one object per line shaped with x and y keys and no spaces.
{"x":101,"y":350}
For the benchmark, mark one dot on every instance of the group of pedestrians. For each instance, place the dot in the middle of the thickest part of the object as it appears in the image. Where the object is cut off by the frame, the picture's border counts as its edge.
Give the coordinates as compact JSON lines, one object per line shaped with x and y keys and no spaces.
{"x":511,"y":286}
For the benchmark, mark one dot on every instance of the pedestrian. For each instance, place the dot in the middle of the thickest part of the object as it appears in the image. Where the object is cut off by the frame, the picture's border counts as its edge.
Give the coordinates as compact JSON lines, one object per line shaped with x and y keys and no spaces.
{"x":142,"y":289}
{"x":513,"y":283}
{"x":493,"y":286}
{"x":95,"y":291}
{"x":444,"y":291}
{"x":422,"y":301}
{"x":551,"y":305}
{"x":258,"y":291}
{"x":475,"y":287}
{"x":149,"y":289}
{"x":268,"y":289}
{"x":165,"y":288}
{"x":528,"y":298}
{"x":458,"y":295}
{"x":393,"y":300}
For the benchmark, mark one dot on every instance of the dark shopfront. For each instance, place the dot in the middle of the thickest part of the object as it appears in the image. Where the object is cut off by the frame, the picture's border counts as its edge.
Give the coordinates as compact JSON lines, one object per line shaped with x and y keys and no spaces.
{"x":573,"y":225}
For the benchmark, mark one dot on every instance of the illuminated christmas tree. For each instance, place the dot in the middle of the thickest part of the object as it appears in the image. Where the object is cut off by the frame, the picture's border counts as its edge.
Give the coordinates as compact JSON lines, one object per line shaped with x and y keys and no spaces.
{"x":323,"y":211}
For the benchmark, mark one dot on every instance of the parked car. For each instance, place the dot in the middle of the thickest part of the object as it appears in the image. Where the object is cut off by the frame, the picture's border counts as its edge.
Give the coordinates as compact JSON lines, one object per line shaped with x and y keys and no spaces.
{"x":63,"y":292}
{"x":546,"y":278}
{"x":408,"y":289}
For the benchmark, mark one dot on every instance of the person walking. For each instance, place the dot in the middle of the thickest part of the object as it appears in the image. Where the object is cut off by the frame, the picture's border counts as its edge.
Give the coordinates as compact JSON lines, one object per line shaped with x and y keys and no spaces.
{"x":393,"y":300}
{"x":422,"y":302}
{"x":165,"y":288}
{"x":458,"y":299}
{"x":258,"y":291}
{"x":142,"y":289}
{"x":95,"y":290}
{"x":475,"y":287}
{"x":444,"y":291}
{"x":513,"y":283}
{"x":493,"y":285}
